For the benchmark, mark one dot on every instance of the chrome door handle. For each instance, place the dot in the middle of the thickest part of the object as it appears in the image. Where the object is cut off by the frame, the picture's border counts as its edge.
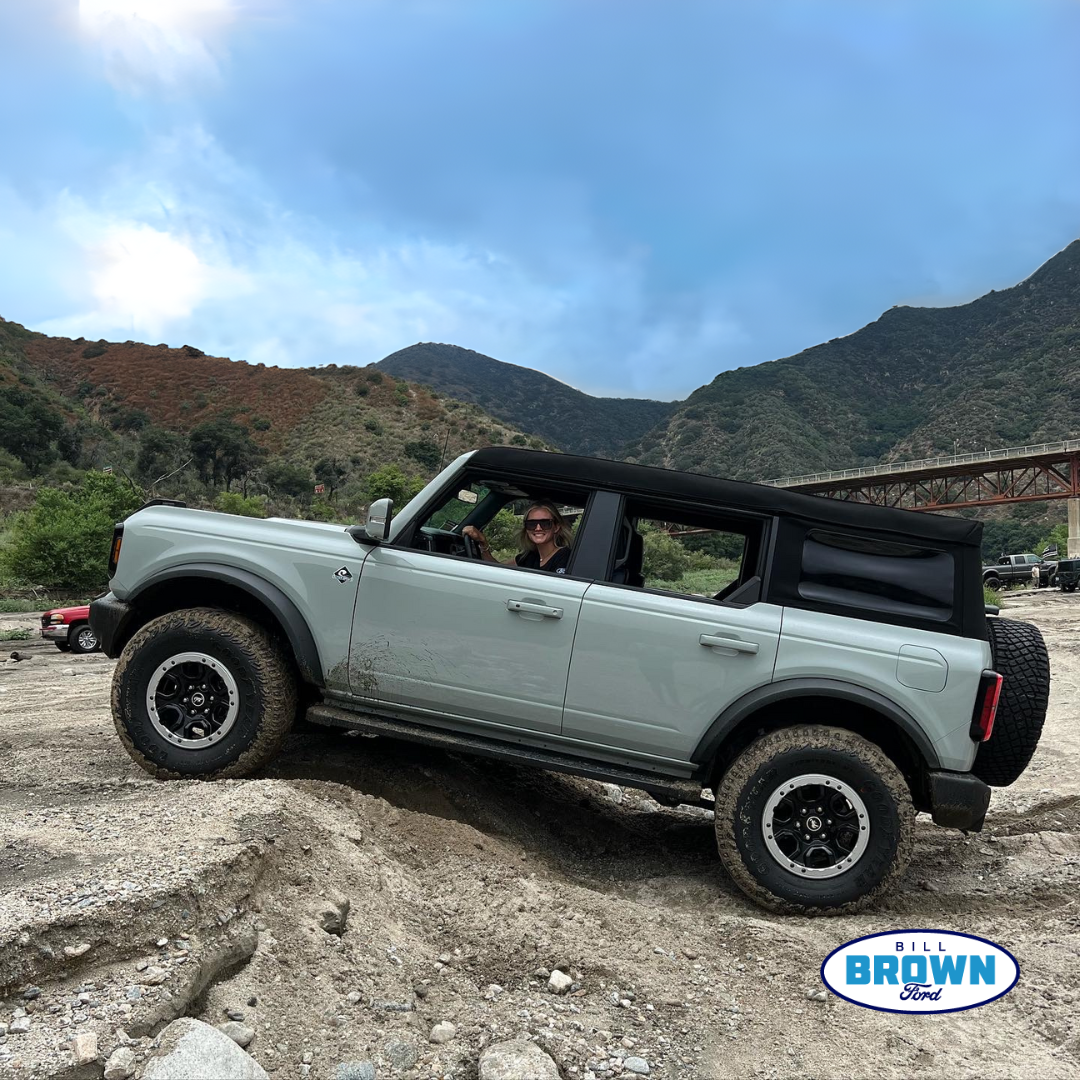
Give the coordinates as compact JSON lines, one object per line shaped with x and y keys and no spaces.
{"x":534,"y":609}
{"x":713,"y":641}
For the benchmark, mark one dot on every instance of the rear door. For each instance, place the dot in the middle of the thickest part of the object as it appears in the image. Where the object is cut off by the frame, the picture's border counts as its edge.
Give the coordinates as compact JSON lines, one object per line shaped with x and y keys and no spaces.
{"x":652,"y":670}
{"x":657,"y":656}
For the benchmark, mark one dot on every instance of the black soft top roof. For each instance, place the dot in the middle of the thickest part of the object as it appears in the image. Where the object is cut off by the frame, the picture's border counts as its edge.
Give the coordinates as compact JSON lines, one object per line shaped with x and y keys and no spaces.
{"x":712,"y":490}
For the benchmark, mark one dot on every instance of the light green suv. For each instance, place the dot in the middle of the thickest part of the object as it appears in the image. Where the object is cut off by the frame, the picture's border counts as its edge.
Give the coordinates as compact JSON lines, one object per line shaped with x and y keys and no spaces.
{"x":824,"y":668}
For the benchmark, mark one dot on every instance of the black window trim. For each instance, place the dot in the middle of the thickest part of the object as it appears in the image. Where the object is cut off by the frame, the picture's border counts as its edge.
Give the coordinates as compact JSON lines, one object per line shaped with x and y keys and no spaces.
{"x":406,"y":540}
{"x":681,"y":506}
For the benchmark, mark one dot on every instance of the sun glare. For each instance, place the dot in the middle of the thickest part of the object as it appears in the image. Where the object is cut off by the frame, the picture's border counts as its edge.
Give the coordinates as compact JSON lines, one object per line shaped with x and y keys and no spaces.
{"x":165,"y":13}
{"x":146,"y":277}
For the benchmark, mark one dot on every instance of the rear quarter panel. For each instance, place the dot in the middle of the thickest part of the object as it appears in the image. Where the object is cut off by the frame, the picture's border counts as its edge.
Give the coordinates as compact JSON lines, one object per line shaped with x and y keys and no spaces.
{"x":867,"y":654}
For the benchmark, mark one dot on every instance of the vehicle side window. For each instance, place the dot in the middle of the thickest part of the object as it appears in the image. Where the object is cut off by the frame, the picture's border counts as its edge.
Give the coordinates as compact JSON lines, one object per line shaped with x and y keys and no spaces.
{"x":877,"y":575}
{"x":1032,"y":559}
{"x":498,"y":510}
{"x":698,"y":555}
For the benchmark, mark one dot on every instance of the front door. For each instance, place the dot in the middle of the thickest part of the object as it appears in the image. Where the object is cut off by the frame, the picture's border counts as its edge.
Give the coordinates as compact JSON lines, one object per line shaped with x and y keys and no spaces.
{"x":456,"y":638}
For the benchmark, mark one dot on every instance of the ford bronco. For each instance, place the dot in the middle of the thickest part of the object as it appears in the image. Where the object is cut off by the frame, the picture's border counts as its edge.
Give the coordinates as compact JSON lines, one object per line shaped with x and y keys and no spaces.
{"x":846,"y":676}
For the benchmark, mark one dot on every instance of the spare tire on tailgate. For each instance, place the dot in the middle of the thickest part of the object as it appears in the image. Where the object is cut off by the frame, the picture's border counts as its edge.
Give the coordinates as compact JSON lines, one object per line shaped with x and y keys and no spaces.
{"x":1020,"y":658}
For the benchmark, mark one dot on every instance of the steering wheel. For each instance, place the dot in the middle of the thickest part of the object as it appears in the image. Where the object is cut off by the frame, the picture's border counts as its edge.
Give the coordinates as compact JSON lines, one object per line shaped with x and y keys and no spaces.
{"x":472,"y":548}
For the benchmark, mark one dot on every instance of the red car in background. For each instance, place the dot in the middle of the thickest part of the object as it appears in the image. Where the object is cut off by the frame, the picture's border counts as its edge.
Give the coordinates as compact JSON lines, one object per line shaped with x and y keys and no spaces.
{"x":69,"y":628}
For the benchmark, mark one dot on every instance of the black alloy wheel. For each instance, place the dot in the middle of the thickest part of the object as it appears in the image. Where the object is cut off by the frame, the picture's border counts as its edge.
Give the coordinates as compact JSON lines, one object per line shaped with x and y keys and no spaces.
{"x":203,"y":693}
{"x":814,"y":818}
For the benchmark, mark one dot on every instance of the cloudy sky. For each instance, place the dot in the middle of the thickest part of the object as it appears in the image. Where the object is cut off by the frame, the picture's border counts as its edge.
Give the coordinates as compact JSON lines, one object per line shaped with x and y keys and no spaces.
{"x":630,"y":195}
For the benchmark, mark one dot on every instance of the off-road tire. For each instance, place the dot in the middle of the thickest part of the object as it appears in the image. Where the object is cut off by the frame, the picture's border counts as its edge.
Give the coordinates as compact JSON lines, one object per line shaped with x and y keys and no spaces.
{"x":1020,"y":657}
{"x":75,"y":642}
{"x":994,"y":583}
{"x":762,"y":768}
{"x":1069,"y":588}
{"x":265,"y":680}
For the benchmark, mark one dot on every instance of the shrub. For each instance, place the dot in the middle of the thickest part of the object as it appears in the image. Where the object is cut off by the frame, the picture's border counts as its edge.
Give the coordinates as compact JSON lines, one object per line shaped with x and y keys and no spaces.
{"x":63,"y":540}
{"x":320,"y":510}
{"x":99,"y":348}
{"x":426,"y":452}
{"x":373,"y":426}
{"x":232,"y":502}
{"x":374,"y":377}
{"x":131,"y":420}
{"x":260,"y":423}
{"x":665,"y":557}
{"x":390,"y":482}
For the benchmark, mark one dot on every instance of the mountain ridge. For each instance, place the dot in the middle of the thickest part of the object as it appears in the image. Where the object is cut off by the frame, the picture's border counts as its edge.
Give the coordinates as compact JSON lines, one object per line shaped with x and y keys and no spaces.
{"x":529,"y":399}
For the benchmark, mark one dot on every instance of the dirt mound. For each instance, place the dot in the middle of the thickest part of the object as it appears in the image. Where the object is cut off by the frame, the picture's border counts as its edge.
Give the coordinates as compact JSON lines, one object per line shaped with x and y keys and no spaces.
{"x":467,"y":884}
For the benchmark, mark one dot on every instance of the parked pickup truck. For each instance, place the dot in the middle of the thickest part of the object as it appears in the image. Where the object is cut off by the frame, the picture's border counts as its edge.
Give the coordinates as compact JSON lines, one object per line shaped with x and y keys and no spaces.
{"x":1018,"y":570}
{"x":69,"y":628}
{"x":843,"y":676}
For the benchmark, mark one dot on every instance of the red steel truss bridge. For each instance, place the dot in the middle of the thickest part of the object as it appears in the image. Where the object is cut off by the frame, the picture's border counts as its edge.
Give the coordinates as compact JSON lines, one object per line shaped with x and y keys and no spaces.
{"x":1018,"y":474}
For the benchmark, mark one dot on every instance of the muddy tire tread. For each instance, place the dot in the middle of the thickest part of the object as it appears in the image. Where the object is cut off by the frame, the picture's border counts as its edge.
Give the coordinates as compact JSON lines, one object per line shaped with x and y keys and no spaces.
{"x":809,"y":737}
{"x":272,"y":670}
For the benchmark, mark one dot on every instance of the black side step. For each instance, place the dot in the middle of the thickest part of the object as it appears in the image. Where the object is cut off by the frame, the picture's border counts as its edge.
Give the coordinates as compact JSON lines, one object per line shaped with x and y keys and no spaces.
{"x":668,"y":790}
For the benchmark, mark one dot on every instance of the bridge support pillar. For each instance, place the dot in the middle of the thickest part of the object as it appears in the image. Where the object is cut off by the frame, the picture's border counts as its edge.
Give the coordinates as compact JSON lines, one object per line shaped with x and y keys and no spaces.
{"x":1074,"y":529}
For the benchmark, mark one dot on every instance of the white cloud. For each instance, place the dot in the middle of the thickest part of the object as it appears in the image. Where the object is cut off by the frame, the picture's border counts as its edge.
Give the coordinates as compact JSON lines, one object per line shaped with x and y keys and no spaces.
{"x":185,"y":245}
{"x":156,"y":41}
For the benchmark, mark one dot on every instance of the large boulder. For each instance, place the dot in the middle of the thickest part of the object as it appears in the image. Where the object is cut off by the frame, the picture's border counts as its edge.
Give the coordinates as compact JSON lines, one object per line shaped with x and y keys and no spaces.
{"x":191,"y":1050}
{"x":518,"y":1059}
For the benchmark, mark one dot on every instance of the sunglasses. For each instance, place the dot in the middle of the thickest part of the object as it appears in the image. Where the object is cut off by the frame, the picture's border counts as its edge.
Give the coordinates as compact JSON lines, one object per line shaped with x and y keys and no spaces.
{"x":539,"y":523}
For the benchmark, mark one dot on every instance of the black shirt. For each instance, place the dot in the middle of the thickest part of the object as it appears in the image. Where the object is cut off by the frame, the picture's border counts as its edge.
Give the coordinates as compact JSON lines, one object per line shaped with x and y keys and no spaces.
{"x":530,"y":560}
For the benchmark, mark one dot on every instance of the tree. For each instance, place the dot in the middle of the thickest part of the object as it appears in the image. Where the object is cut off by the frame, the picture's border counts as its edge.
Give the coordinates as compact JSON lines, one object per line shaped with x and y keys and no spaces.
{"x":288,"y":478}
{"x":223,"y":451}
{"x":390,"y":482}
{"x":29,"y":426}
{"x":160,"y":452}
{"x":330,"y":472}
{"x":63,"y":540}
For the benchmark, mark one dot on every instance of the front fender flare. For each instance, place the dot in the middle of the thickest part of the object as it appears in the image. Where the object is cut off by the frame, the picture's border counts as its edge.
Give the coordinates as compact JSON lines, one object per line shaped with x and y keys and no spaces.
{"x":269,"y":595}
{"x":775,"y":692}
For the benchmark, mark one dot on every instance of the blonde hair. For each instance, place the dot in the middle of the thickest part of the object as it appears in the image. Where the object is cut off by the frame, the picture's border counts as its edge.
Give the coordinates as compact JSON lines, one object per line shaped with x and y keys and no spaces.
{"x":563,"y":535}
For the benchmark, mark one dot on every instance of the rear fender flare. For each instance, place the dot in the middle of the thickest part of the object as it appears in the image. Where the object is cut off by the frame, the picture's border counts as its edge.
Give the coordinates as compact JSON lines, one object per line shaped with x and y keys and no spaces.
{"x":757,"y":699}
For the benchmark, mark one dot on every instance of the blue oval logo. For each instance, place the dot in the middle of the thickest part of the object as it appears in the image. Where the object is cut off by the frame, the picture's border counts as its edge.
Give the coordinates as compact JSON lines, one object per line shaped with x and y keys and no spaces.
{"x":920,"y":971}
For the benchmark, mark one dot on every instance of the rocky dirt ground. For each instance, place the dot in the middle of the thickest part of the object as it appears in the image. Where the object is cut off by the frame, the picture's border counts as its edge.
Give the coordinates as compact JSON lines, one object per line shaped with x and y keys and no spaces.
{"x":126,"y":902}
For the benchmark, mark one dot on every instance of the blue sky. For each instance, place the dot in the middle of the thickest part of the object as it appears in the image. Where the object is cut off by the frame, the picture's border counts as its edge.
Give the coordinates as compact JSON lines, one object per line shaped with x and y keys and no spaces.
{"x":631,"y":196}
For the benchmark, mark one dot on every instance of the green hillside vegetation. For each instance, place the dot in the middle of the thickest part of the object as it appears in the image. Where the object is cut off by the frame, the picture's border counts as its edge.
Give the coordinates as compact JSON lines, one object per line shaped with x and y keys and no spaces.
{"x":530,"y":400}
{"x":1003,"y":370}
{"x":174,"y":423}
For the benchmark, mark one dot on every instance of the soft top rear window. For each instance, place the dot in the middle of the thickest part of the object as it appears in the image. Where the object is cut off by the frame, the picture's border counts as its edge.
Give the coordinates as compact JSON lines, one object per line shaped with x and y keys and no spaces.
{"x":877,"y":575}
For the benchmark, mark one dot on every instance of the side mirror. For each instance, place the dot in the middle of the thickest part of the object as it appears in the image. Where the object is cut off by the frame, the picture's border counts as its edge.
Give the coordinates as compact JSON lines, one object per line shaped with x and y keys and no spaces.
{"x":377,"y":527}
{"x":380,"y":514}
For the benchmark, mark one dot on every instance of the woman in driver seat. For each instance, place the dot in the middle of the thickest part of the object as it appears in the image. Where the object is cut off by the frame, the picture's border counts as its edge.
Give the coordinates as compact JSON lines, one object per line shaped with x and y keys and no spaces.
{"x":545,"y":540}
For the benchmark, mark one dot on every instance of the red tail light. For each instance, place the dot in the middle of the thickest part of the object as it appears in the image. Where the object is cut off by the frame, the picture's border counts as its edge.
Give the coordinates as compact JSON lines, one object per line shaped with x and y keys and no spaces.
{"x":986,"y":706}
